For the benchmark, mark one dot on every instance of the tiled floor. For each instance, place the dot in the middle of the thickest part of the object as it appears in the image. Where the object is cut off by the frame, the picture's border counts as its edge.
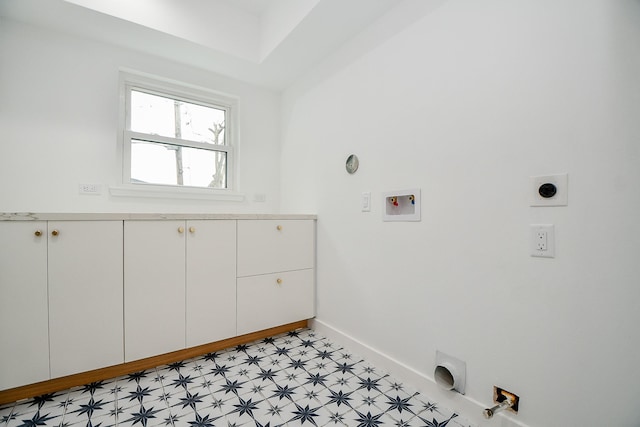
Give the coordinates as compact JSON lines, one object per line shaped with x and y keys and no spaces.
{"x":294,"y":379}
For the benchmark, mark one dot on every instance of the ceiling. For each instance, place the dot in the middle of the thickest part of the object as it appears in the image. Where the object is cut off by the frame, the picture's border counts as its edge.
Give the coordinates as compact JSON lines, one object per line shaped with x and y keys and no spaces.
{"x":252,"y":6}
{"x":263,"y":42}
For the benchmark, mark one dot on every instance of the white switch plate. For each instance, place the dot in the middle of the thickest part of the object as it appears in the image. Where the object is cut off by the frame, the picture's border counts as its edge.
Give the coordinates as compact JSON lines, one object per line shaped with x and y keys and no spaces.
{"x":542,"y":240}
{"x":366,"y":201}
{"x":559,"y":199}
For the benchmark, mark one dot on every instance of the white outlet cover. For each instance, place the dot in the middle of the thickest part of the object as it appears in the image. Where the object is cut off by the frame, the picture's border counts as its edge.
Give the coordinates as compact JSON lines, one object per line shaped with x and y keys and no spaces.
{"x":549,"y":229}
{"x":561,"y":182}
{"x":91,"y":189}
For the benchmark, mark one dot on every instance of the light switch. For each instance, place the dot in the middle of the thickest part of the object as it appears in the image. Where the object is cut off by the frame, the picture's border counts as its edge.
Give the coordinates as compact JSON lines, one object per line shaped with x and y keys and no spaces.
{"x":366,"y":201}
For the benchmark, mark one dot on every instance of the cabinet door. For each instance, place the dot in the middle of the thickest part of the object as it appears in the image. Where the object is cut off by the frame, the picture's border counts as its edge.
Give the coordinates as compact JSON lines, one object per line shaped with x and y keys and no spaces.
{"x":154,"y":287}
{"x":268,"y":246}
{"x":24,"y":338}
{"x":211,"y":281}
{"x":274,"y":299}
{"x":85,"y":295}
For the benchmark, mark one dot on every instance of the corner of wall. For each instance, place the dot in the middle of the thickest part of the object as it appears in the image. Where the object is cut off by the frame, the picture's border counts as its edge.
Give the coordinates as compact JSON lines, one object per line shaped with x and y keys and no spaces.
{"x":464,"y":405}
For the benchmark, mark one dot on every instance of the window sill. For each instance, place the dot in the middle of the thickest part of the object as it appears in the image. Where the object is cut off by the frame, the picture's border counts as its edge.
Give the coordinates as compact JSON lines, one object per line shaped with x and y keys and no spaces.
{"x":165,"y":192}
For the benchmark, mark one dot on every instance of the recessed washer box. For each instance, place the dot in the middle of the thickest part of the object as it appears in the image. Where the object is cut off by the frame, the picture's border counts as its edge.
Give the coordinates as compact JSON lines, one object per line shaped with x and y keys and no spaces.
{"x":401,"y":205}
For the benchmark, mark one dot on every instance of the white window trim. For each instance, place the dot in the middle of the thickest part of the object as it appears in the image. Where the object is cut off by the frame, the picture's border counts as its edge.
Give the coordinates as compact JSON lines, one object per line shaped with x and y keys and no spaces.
{"x":131,"y":80}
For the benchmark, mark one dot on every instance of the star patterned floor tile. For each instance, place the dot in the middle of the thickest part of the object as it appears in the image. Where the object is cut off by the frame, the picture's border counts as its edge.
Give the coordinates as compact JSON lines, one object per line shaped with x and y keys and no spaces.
{"x":294,"y":379}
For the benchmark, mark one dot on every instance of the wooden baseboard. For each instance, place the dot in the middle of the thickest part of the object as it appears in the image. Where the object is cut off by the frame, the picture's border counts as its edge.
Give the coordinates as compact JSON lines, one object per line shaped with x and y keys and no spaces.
{"x":63,"y":383}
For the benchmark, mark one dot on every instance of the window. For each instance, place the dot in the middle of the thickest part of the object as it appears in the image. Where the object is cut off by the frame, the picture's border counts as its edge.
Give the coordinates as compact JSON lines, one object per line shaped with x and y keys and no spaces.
{"x":176,"y":137}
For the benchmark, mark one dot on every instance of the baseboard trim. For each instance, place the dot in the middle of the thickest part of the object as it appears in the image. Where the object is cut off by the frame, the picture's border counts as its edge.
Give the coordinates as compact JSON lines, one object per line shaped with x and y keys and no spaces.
{"x":464,"y":405}
{"x":63,"y":383}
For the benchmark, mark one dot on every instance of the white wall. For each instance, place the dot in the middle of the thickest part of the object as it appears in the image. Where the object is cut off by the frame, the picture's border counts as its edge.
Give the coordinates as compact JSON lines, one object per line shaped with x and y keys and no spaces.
{"x":466,"y":104}
{"x":58,"y":118}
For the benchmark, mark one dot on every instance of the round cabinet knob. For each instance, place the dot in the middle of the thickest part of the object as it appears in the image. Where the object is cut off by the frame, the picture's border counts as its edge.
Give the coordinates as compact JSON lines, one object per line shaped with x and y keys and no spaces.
{"x":180,"y":229}
{"x":55,"y":232}
{"x":279,"y":228}
{"x":192,"y":229}
{"x":38,"y":233}
{"x":279,"y":281}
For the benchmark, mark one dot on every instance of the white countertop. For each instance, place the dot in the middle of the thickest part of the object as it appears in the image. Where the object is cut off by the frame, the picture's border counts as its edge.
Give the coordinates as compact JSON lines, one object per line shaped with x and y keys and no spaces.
{"x":40,"y":216}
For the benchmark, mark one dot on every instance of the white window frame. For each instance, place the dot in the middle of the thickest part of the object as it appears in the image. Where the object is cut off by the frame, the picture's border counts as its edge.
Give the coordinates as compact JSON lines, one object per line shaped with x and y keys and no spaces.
{"x":184,"y":92}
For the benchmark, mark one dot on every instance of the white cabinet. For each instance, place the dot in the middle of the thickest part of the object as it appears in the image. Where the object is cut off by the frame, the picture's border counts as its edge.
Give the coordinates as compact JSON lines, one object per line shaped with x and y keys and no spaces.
{"x":269,"y":300}
{"x":211,"y":281}
{"x":85,"y":295}
{"x":24,"y":335}
{"x":60,"y":299}
{"x":80,"y":294}
{"x":267,"y":246}
{"x":154,"y":289}
{"x":275,"y":282}
{"x":179,"y":285}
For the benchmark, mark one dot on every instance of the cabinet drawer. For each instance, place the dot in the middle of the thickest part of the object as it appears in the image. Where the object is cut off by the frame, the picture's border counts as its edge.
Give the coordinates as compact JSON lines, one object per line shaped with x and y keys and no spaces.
{"x":264,"y":303}
{"x":267,"y":246}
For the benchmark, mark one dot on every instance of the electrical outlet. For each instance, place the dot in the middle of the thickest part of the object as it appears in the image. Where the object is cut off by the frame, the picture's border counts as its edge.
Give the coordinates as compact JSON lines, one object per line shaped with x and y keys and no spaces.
{"x":93,"y":189}
{"x":542,"y":240}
